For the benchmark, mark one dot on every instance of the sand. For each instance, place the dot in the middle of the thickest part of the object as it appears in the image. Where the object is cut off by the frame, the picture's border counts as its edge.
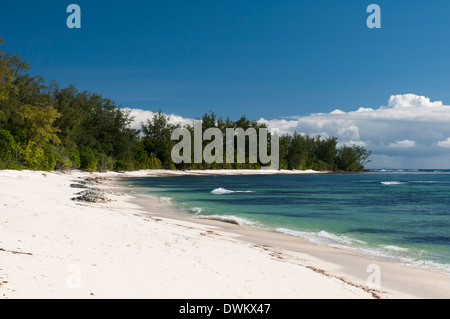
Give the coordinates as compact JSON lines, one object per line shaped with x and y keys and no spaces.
{"x":137,"y":247}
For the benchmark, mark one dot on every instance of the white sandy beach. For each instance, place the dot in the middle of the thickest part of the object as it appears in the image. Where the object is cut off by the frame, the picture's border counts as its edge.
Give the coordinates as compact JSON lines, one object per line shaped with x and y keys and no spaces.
{"x":54,"y":247}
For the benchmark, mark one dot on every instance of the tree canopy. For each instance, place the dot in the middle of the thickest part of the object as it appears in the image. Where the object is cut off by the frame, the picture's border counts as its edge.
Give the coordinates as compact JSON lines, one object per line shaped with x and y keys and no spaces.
{"x":45,"y":127}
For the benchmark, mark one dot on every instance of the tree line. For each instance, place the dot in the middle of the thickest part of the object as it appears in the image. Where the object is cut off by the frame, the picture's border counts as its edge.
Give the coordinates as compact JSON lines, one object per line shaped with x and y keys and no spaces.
{"x":46,"y":127}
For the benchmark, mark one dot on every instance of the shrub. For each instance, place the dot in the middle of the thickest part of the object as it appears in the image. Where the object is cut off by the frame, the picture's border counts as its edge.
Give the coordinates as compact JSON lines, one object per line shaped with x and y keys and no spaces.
{"x":32,"y":156}
{"x":88,"y":159}
{"x":73,"y":155}
{"x":104,"y":162}
{"x":154,"y":163}
{"x":121,"y":165}
{"x":7,"y":145}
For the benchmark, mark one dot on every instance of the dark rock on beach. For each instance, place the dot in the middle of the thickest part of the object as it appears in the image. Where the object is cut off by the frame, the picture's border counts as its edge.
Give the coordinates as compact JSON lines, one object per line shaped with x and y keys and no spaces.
{"x":90,"y":194}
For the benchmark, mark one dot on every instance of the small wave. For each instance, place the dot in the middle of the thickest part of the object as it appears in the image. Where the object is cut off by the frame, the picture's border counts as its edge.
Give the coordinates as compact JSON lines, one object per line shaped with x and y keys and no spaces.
{"x":401,"y":254}
{"x":393,"y":183}
{"x":395,"y":248}
{"x":323,"y":238}
{"x":431,"y":265}
{"x":229,"y":219}
{"x":165,"y":199}
{"x":341,"y":241}
{"x":222,"y":191}
{"x":196,"y":210}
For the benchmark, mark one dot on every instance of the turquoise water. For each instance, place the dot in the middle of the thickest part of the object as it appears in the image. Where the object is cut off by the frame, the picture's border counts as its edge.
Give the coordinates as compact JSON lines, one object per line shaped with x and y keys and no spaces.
{"x":404,"y":215}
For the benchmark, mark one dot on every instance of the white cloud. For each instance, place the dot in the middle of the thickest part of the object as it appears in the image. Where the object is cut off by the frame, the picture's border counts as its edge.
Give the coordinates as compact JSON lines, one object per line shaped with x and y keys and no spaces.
{"x":403,"y":144}
{"x":445,"y":144}
{"x":351,"y":132}
{"x":409,"y":126}
{"x":141,"y":116}
{"x":411,"y":100}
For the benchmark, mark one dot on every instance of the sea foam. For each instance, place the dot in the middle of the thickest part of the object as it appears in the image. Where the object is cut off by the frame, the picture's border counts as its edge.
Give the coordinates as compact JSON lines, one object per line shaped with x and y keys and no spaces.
{"x":165,"y":199}
{"x":400,"y":254}
{"x":393,"y":183}
{"x":196,"y":210}
{"x":222,"y":191}
{"x":228,"y":219}
{"x":323,"y":238}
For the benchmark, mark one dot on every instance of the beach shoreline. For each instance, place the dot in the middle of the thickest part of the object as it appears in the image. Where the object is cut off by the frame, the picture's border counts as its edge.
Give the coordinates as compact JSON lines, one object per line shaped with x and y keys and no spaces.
{"x":349,"y":265}
{"x":127,"y":247}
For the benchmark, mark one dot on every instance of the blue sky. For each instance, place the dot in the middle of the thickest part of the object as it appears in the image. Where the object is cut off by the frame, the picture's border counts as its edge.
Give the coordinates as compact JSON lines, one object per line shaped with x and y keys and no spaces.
{"x":260,"y":58}
{"x":265,"y":59}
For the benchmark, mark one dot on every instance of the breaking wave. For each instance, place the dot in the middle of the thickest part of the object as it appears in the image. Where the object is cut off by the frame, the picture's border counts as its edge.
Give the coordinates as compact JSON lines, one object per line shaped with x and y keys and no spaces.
{"x":222,"y":191}
{"x":196,"y":210}
{"x":165,"y":199}
{"x":393,"y":183}
{"x":323,"y":238}
{"x":228,"y":219}
{"x":400,"y":254}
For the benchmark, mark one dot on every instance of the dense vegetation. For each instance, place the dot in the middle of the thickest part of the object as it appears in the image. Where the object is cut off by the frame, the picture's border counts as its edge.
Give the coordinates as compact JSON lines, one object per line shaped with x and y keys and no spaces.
{"x":45,"y":127}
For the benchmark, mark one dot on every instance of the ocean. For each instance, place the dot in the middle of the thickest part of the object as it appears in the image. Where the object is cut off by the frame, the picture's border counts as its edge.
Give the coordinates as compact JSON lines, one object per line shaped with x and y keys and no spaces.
{"x":403,"y":215}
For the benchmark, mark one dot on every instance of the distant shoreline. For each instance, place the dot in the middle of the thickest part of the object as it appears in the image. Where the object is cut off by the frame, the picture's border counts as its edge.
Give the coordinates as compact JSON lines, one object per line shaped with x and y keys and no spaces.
{"x":231,"y":172}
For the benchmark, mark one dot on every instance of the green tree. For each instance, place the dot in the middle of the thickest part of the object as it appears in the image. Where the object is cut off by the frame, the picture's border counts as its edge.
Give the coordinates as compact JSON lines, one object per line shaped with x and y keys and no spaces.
{"x":33,"y":156}
{"x":67,"y":102}
{"x":299,"y":152}
{"x":7,"y":146}
{"x":38,"y":123}
{"x":11,"y":66}
{"x":362,"y":155}
{"x":157,"y":138}
{"x":88,"y":159}
{"x":352,"y":158}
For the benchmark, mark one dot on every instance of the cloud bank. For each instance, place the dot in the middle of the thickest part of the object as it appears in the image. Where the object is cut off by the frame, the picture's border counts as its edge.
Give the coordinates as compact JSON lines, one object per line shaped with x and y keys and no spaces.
{"x":141,"y":116}
{"x":410,"y":132}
